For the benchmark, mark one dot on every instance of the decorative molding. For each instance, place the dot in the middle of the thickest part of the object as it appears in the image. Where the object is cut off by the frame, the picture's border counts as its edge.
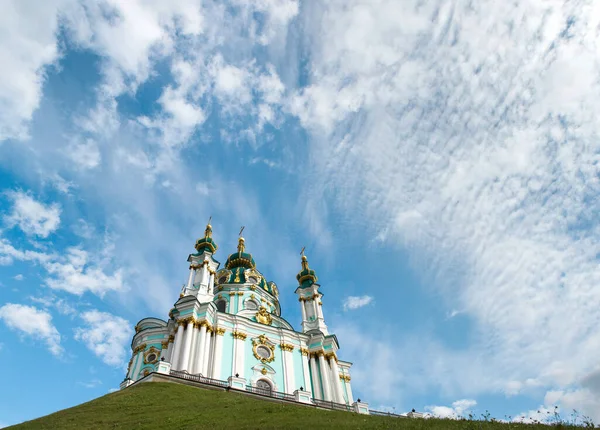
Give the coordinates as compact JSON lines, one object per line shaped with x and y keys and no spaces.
{"x":345,"y":377}
{"x":148,"y":353}
{"x":263,"y":340}
{"x":240,"y":293}
{"x":171,"y":339}
{"x":304,"y":351}
{"x":263,"y":316}
{"x":264,"y":371}
{"x":220,"y":331}
{"x":253,"y":287}
{"x":165,"y":344}
{"x":139,"y":348}
{"x":286,"y":347}
{"x":232,"y":293}
{"x":331,"y":355}
{"x":239,"y":335}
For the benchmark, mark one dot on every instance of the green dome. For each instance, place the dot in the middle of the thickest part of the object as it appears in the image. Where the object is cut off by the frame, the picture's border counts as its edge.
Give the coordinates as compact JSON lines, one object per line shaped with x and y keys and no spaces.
{"x":240,"y":258}
{"x":206,"y":243}
{"x":306,"y":277}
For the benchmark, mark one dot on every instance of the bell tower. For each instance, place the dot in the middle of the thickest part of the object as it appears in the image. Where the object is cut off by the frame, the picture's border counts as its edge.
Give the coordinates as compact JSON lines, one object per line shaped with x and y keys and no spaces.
{"x":310,"y":299}
{"x":203,"y":267}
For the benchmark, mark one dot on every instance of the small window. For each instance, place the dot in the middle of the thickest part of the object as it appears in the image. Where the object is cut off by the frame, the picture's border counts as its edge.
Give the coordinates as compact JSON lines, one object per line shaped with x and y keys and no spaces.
{"x":151,"y":358}
{"x":263,"y":387}
{"x":223,"y":279}
{"x":221,"y":306}
{"x":263,"y":352}
{"x":252,"y":305}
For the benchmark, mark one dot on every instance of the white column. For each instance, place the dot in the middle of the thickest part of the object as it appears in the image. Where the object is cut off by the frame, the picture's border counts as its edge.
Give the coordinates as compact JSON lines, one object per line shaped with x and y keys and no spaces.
{"x":204,"y":277}
{"x":238,"y":357}
{"x":325,"y":372}
{"x":211,"y":352}
{"x":200,"y":349}
{"x":290,"y":372}
{"x":218,"y":354}
{"x":305,"y":370}
{"x":205,"y":362}
{"x":211,"y":283}
{"x":349,"y":392}
{"x":290,"y":380}
{"x":239,"y":305}
{"x":185,"y":354}
{"x":177,"y":347}
{"x":318,"y":308}
{"x":315,"y":378}
{"x":191,"y":278}
{"x":335,"y":378}
{"x":193,"y":353}
{"x":233,"y":354}
{"x":303,"y":310}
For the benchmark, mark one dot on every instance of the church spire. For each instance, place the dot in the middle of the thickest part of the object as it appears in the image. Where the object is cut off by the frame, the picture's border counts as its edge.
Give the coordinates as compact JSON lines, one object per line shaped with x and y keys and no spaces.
{"x":306,"y":277}
{"x":206,"y":243}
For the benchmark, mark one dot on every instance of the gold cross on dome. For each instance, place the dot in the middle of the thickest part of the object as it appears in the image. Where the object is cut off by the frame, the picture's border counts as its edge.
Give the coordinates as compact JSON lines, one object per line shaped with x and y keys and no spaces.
{"x":209,"y":219}
{"x":302,"y":251}
{"x":241,"y":230}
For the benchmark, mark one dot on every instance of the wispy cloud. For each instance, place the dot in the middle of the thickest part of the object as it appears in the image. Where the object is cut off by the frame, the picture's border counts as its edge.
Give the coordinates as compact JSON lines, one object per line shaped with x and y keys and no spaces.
{"x":484,"y":166}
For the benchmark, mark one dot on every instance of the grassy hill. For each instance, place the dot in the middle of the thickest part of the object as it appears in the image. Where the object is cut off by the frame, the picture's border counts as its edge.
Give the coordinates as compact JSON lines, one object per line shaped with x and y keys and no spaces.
{"x":174,"y":406}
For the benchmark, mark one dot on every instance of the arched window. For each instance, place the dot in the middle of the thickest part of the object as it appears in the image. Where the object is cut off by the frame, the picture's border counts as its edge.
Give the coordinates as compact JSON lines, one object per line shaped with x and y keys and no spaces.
{"x":222,"y":306}
{"x":252,"y":305}
{"x":264,"y":387}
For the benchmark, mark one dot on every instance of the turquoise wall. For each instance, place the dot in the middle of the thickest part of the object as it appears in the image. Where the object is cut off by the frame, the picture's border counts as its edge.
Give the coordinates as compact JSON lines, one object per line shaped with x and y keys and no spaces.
{"x":227,"y":356}
{"x":250,"y":361}
{"x":298,"y":369}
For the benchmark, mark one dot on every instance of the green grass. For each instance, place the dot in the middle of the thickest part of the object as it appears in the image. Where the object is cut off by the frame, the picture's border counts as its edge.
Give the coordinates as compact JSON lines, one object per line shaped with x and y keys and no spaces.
{"x":173,"y":406}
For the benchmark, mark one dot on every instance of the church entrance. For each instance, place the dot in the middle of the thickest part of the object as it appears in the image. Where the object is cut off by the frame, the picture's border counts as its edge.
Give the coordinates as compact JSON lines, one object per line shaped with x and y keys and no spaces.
{"x":263,"y":387}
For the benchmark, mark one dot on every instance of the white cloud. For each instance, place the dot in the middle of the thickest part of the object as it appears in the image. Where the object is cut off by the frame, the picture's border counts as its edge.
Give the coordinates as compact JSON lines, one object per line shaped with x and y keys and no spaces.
{"x":18,"y":277}
{"x":27,"y":47}
{"x":355,"y":302}
{"x":32,"y":322}
{"x":459,"y":409}
{"x":492,"y":165}
{"x":106,"y":335}
{"x":76,"y":274}
{"x":32,"y":216}
{"x":8,"y":253}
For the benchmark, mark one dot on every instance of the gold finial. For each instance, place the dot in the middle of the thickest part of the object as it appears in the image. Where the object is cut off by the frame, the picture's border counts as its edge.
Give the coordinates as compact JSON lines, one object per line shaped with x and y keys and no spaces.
{"x":304,"y":259}
{"x":241,"y":245}
{"x":208,"y":231}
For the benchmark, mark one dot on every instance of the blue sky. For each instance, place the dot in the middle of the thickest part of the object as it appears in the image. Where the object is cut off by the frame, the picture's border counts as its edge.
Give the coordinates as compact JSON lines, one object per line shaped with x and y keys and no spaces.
{"x":439,"y":161}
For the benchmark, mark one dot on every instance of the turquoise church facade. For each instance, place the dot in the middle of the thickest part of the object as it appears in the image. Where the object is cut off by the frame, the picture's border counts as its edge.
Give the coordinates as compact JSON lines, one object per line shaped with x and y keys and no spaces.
{"x":227,"y":325}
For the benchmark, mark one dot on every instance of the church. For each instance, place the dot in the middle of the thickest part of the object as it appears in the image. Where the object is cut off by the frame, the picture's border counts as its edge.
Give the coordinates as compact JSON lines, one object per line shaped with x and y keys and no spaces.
{"x":227,"y":326}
